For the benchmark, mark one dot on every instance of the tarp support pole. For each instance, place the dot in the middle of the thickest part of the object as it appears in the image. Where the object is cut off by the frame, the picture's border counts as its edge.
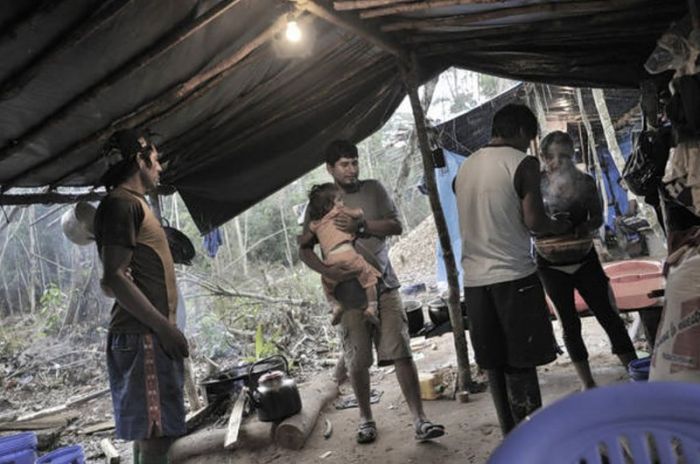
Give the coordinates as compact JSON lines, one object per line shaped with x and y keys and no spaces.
{"x":49,"y":198}
{"x":460,"y":340}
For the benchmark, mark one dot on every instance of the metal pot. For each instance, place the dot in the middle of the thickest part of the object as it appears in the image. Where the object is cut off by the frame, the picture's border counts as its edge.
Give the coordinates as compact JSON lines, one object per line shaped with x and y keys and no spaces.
{"x":438,"y":311}
{"x":276,"y":396}
{"x":225,"y":383}
{"x":414,"y":314}
{"x":230,"y":381}
{"x":563,"y":249}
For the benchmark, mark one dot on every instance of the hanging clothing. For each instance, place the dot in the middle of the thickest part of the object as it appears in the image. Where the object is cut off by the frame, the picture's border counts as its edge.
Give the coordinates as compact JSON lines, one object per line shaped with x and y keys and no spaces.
{"x":212,"y":241}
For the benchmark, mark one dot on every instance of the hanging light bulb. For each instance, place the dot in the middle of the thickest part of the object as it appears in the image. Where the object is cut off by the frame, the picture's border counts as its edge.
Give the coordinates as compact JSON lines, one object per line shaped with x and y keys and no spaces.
{"x":293,"y":32}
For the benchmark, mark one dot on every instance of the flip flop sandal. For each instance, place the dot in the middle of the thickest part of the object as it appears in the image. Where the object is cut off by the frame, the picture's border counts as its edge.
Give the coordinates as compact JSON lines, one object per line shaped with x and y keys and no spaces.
{"x":367,"y":432}
{"x":426,"y":430}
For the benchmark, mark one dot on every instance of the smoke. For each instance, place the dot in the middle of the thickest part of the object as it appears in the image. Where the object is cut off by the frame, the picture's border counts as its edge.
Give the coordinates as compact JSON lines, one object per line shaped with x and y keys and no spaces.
{"x":562,"y":189}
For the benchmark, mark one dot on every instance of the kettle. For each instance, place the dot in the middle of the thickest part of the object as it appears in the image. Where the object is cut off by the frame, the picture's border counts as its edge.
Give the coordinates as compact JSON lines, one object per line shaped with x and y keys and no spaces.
{"x":276,"y":395}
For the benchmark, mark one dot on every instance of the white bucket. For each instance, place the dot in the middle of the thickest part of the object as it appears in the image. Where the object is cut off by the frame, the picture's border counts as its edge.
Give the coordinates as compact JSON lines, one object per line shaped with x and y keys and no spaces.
{"x":77,"y":223}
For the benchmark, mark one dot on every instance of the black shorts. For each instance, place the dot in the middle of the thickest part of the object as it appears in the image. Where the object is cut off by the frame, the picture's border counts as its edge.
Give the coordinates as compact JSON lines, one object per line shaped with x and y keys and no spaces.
{"x":509,"y":324}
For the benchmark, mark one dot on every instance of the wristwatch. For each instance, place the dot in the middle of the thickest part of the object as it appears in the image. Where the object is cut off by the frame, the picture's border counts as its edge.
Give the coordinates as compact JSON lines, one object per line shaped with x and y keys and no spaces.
{"x":362,"y":228}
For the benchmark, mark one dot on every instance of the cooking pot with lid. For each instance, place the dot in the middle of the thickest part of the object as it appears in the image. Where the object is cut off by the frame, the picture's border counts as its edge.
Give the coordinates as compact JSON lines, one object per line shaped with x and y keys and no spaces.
{"x":276,"y":395}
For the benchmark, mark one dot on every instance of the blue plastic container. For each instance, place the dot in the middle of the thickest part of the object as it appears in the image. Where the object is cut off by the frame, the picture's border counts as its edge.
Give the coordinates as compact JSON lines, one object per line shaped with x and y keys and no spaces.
{"x":639,"y":369}
{"x":18,"y":449}
{"x":66,"y":455}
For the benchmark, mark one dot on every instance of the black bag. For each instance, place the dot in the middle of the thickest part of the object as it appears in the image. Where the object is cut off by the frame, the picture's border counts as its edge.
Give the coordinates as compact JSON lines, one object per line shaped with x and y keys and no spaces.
{"x":181,"y":247}
{"x":645,"y":167}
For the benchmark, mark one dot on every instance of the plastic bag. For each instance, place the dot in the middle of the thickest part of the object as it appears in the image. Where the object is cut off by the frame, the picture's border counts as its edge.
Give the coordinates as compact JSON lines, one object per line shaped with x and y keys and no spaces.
{"x":671,"y":52}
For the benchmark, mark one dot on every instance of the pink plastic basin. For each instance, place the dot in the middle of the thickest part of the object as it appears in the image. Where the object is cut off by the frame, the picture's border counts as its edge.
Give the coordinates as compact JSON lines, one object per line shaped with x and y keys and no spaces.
{"x":631,"y":281}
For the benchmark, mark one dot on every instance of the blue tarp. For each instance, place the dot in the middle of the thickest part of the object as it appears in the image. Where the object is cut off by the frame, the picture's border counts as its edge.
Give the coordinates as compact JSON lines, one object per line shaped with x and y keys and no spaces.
{"x":444,"y":177}
{"x":613,"y":190}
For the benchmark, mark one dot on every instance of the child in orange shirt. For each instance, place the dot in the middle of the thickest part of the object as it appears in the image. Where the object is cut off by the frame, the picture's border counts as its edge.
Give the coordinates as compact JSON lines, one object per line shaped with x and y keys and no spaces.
{"x":325,"y":204}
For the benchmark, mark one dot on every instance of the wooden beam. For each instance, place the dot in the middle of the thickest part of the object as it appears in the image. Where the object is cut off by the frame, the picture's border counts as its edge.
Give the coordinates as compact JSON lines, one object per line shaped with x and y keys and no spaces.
{"x":167,"y":101}
{"x":569,"y":9}
{"x":424,"y":5}
{"x":19,"y":79}
{"x":594,"y":21}
{"x":178,"y":35}
{"x":235,"y":419}
{"x":354,"y":26}
{"x":49,"y":198}
{"x":362,"y":4}
{"x":410,"y":76}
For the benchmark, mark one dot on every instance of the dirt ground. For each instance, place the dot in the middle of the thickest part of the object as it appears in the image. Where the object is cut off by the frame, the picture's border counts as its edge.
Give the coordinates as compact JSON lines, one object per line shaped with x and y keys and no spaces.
{"x":472,"y":428}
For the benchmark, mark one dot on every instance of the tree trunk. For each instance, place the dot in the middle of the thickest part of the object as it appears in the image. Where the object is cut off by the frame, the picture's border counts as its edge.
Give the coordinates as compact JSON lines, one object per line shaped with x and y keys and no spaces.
{"x":288,"y":248}
{"x":74,"y":296}
{"x":461,"y":347}
{"x":32,"y":284}
{"x":598,"y":172}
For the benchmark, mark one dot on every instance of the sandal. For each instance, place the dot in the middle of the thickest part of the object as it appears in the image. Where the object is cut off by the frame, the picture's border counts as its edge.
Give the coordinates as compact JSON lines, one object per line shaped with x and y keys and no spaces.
{"x":426,"y":430}
{"x":367,"y":432}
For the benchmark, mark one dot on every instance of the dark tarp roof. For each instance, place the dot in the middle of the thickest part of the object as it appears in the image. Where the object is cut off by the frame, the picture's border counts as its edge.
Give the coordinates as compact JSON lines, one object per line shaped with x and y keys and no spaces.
{"x":75,"y":70}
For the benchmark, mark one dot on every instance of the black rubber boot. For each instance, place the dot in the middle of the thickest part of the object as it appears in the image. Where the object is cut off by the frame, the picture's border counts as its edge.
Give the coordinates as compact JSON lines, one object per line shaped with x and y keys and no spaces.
{"x":523,"y":391}
{"x":499,"y":393}
{"x":583,"y":370}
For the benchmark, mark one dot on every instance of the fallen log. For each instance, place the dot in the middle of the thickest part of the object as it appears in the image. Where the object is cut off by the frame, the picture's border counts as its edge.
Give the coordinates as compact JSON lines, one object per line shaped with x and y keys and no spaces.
{"x":58,"y":410}
{"x":252,"y":435}
{"x":59,"y":419}
{"x":293,"y":431}
{"x":98,"y":427}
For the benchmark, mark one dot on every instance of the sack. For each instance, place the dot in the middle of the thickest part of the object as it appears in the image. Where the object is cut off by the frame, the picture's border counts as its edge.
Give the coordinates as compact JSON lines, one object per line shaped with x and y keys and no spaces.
{"x":677,"y":349}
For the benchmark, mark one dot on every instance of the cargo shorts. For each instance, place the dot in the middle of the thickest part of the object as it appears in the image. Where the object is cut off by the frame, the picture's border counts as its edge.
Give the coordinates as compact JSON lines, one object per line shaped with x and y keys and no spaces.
{"x":391,"y":339}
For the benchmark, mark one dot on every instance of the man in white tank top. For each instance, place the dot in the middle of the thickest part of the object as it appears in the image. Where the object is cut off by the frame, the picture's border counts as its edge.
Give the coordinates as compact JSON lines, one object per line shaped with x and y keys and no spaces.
{"x":500,"y":206}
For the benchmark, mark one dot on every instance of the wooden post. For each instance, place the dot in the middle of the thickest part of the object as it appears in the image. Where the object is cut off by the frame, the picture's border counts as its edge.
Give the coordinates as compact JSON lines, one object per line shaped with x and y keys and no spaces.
{"x":460,"y":340}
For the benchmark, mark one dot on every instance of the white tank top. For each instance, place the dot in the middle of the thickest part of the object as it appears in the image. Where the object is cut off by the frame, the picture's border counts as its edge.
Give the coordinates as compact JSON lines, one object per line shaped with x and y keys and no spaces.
{"x":495,"y":241}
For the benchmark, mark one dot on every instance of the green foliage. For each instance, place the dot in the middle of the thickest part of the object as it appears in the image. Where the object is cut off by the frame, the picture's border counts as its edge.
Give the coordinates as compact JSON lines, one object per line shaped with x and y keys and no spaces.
{"x":263,"y":348}
{"x":12,"y":341}
{"x":52,"y":308}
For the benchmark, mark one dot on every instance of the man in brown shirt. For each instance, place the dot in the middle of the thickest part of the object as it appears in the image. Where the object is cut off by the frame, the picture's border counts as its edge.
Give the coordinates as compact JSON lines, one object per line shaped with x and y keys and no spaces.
{"x":145,"y":350}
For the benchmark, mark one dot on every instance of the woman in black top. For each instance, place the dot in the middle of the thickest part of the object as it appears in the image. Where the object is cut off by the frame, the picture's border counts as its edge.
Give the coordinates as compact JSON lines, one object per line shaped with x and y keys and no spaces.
{"x":568,"y":191}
